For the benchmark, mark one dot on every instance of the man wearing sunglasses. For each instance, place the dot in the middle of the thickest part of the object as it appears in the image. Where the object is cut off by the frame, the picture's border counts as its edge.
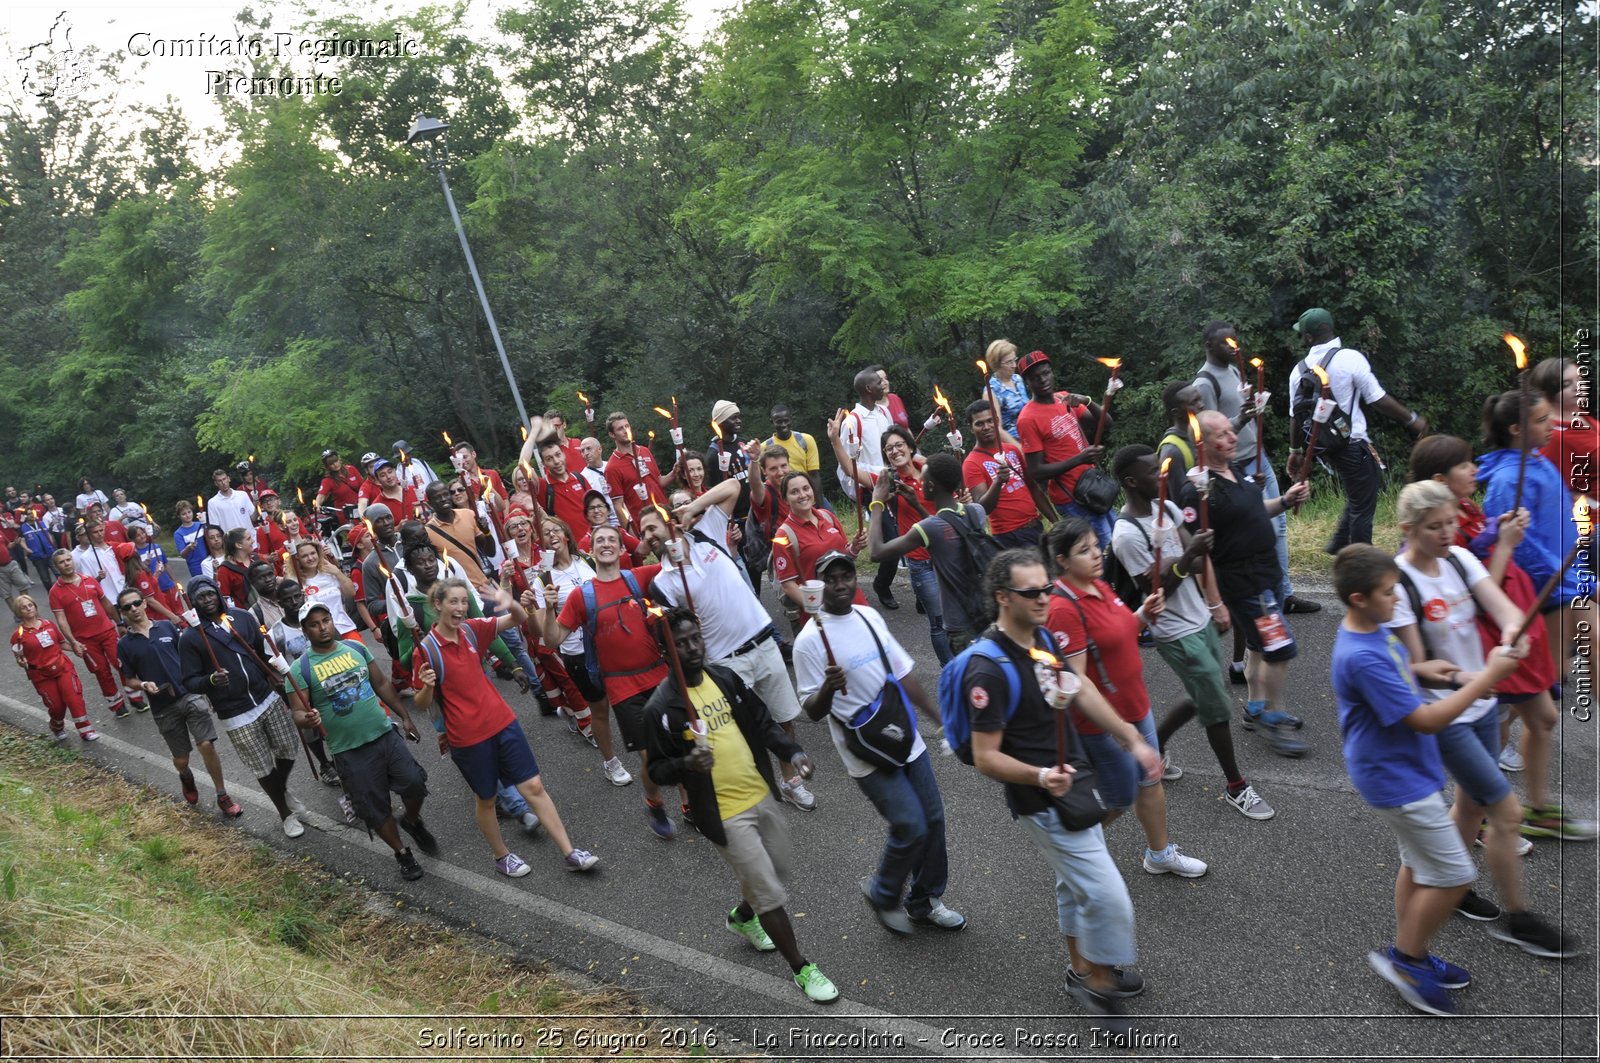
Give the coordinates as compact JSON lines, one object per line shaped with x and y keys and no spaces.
{"x":150,"y":666}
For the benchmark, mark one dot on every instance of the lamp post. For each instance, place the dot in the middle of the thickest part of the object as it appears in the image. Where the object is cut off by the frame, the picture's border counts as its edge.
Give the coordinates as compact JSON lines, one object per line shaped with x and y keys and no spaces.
{"x":429,"y":133}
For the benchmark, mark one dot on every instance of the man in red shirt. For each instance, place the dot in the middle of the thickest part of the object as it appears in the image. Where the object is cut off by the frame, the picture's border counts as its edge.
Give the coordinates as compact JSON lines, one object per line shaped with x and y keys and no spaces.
{"x":560,"y":492}
{"x":272,"y":540}
{"x":385,"y":487}
{"x":1015,"y":518}
{"x":83,"y":613}
{"x":1052,"y":439}
{"x":556,"y":421}
{"x":631,"y":472}
{"x":341,"y":484}
{"x":627,"y":656}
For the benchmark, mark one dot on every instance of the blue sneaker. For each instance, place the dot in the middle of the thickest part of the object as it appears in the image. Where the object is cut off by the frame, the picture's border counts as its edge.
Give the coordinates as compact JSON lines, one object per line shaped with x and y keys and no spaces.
{"x":1272,"y":718}
{"x":1448,"y":974}
{"x":660,"y":823}
{"x":1418,"y":985}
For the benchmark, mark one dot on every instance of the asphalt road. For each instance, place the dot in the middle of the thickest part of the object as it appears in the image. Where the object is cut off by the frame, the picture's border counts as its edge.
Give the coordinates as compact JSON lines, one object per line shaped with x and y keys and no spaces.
{"x":1264,"y":957}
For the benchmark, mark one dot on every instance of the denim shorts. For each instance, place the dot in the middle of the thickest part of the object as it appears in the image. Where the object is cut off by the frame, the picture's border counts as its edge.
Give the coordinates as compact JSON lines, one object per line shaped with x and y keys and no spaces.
{"x":1470,"y":752}
{"x":1121,"y":778}
{"x":501,"y":756}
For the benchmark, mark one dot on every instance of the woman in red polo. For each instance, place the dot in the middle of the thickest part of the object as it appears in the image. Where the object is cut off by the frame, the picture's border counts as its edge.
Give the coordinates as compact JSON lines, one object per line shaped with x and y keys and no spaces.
{"x":41,"y":652}
{"x":801,"y":541}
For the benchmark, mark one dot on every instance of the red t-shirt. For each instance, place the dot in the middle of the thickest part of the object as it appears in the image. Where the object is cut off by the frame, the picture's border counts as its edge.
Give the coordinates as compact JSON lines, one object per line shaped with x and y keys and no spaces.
{"x":625,"y":643}
{"x":1573,"y":446}
{"x":116,"y":532}
{"x":80,"y":602}
{"x":404,"y":508}
{"x":771,"y":513}
{"x":345,"y":490}
{"x":150,"y":587}
{"x":473,"y":709}
{"x":41,"y":648}
{"x":1116,"y":636}
{"x":909,"y":517}
{"x":271,"y":542}
{"x":1052,"y":429}
{"x":233,"y":585}
{"x":1014,"y":508}
{"x":565,"y":500}
{"x":897,"y":410}
{"x":573,"y":450}
{"x":622,"y":476}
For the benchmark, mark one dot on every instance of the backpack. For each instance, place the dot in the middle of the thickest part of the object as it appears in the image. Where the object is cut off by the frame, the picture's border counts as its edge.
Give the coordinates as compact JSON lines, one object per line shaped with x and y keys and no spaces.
{"x":1415,"y":599}
{"x":979,"y":548}
{"x":1120,"y":578}
{"x":757,"y":545}
{"x":953,"y":703}
{"x":1334,"y":435}
{"x":591,"y":618}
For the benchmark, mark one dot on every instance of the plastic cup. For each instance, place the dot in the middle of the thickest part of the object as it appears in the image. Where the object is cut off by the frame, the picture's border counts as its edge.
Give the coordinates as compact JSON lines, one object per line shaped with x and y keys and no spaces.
{"x":697,"y":730}
{"x":641,"y":490}
{"x":677,"y":551}
{"x":723,"y":457}
{"x":547,"y":561}
{"x":811,"y":596}
{"x":677,"y":436}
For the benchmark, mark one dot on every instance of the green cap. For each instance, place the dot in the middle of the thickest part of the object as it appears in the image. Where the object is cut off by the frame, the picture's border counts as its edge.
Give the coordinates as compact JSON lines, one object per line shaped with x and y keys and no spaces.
{"x":1314,"y":320}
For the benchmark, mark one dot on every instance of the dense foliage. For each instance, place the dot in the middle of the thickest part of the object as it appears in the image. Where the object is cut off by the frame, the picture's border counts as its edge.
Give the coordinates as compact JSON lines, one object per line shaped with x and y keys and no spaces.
{"x":818,"y":185}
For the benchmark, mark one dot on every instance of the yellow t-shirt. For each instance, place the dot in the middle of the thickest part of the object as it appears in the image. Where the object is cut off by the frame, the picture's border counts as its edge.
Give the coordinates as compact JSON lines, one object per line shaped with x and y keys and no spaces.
{"x":802,"y":451}
{"x":739,"y":785}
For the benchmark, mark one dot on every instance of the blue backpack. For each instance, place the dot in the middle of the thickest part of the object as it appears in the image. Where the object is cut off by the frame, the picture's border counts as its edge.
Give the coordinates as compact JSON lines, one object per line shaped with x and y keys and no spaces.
{"x":591,"y":618}
{"x":430,"y":646}
{"x":953,"y":705}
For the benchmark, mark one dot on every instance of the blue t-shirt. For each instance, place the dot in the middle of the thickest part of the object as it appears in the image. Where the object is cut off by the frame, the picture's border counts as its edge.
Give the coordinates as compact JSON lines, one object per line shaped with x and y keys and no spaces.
{"x":1390,"y":763}
{"x":192,"y":533}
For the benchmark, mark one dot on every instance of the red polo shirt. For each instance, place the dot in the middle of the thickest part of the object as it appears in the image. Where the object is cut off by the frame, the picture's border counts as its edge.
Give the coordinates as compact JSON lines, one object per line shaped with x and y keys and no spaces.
{"x":1116,"y":637}
{"x":807,"y":542}
{"x":623,"y":475}
{"x":404,"y":507}
{"x":344,"y":490}
{"x":81,"y":604}
{"x":473,"y":709}
{"x":563,"y":498}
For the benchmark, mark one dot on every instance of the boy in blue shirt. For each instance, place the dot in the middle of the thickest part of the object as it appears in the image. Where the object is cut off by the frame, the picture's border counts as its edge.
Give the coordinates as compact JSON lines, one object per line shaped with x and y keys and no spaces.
{"x":1393,"y":760}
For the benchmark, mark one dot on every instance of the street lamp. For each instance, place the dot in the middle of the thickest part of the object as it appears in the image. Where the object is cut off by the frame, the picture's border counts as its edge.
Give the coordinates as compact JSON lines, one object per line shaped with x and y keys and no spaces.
{"x":429,"y":133}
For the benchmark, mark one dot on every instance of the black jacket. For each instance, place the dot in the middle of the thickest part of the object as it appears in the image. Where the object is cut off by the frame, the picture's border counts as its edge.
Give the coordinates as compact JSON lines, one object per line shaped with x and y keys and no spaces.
{"x":247,"y":685}
{"x":667,"y":720}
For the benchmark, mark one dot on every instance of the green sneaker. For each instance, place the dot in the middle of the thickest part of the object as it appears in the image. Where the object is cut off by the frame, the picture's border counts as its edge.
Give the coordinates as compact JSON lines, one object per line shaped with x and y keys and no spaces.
{"x":751,"y":930}
{"x":1552,"y":822}
{"x":816,"y":985}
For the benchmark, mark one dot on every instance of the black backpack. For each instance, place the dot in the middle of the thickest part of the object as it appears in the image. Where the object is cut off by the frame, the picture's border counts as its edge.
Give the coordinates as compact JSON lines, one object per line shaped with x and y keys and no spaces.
{"x":979,"y":548}
{"x":1121,"y":579}
{"x":1334,"y":435}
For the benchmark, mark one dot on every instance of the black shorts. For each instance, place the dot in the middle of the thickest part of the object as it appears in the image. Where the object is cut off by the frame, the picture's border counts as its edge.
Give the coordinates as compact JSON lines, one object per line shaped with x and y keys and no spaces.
{"x":632,"y":723}
{"x":579,"y":671}
{"x":373,"y":771}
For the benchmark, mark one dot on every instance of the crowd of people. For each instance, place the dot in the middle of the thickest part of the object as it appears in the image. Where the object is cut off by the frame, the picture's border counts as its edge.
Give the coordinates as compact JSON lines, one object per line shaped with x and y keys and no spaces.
{"x":610,"y":589}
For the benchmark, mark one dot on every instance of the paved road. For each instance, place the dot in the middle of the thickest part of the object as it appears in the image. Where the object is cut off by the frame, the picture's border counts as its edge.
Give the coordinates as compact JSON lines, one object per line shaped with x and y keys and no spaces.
{"x":1262,"y":958}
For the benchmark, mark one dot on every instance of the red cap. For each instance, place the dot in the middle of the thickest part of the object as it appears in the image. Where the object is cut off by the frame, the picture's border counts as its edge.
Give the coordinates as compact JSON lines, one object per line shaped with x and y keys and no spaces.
{"x":123,"y":550}
{"x":1031,"y":359}
{"x":267,"y":492}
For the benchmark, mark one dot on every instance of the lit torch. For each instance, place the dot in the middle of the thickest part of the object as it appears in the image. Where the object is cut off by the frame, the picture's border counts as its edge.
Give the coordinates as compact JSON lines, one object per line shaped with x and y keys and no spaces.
{"x":1319,"y":417}
{"x":723,"y":457}
{"x":1113,"y":364}
{"x":1261,"y":389}
{"x":1203,"y":482}
{"x":1238,"y":355}
{"x":588,"y":410}
{"x":696,"y":726}
{"x":988,"y":395}
{"x":1061,"y":682}
{"x":1520,"y":351}
{"x":1161,"y":516}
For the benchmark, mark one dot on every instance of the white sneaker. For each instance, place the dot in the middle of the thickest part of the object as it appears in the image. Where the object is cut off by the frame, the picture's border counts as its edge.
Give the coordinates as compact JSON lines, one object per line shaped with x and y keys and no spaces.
{"x":292,"y":826}
{"x":941,"y":917}
{"x":59,"y":736}
{"x":1511,"y":757}
{"x":795,"y":793}
{"x":1249,"y":803}
{"x":1169,"y":770}
{"x":616,"y":772}
{"x":1172,"y":861}
{"x":349,"y":811}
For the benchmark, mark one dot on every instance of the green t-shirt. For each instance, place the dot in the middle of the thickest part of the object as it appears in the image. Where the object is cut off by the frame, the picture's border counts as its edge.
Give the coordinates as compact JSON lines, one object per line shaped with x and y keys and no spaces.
{"x":341,"y":690}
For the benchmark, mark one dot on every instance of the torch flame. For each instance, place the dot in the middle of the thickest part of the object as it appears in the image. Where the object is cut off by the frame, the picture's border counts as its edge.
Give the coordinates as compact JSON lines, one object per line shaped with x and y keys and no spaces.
{"x":717,"y":428}
{"x":1110,"y":363}
{"x":1166,"y":463}
{"x":1582,"y":516}
{"x":300,"y":493}
{"x":383,"y":567}
{"x":780,"y":540}
{"x":1518,"y":348}
{"x":584,"y":397}
{"x":199,"y":501}
{"x":983,"y":367}
{"x":447,"y":440}
{"x":370,"y":532}
{"x":665,"y":516}
{"x":251,"y":459}
{"x":663,"y":412}
{"x":524,"y":430}
{"x":1046,"y":658}
{"x":1194,"y":427}
{"x":1321,"y":375}
{"x":1257,"y":362}
{"x":527,"y":469}
{"x":1231,"y":342}
{"x":943,"y":403}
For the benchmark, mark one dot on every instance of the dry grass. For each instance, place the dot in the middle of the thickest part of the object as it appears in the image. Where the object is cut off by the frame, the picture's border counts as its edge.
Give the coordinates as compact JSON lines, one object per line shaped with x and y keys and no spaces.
{"x":1312,"y":527}
{"x":127,"y":923}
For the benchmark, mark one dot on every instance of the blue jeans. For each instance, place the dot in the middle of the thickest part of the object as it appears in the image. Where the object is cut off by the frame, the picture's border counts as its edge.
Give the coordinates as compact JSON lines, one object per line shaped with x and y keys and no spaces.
{"x":908,"y":798}
{"x":1280,"y":525}
{"x":1101,"y":523}
{"x":510,"y":802}
{"x":1092,"y":901}
{"x":1121,"y":777}
{"x":925,"y":585}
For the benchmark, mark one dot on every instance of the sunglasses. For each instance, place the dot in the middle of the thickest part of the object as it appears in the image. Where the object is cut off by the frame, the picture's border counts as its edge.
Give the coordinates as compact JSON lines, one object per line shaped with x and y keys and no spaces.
{"x":1030,"y":593}
{"x":458,"y":490}
{"x":125,"y":606}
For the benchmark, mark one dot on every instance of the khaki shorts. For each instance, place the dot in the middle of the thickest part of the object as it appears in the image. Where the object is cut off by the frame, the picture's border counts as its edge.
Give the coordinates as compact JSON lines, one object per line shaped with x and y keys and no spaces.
{"x":763,"y":672}
{"x":187,"y":718}
{"x":758,"y":852}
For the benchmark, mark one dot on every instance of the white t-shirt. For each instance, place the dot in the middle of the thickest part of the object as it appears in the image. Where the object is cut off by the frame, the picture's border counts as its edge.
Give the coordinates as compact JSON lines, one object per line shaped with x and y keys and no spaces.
{"x":230,"y":512}
{"x":1349,"y":374}
{"x":1450,"y":620}
{"x":83,"y":502}
{"x":730,"y":614}
{"x":855,"y":652}
{"x":323,"y":588}
{"x":567,"y":580}
{"x":865,"y":426}
{"x":417,"y":475}
{"x":101,"y":563}
{"x":1186,"y":610}
{"x":596,"y":479}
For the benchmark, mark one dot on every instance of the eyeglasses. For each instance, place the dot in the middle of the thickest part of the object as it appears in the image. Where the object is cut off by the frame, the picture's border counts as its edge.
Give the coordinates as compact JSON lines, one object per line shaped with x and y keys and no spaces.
{"x":1030,"y":593}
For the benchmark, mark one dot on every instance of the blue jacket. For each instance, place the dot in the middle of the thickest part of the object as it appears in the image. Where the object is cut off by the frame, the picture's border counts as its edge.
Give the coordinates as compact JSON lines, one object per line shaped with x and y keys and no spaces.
{"x":1551,"y":531}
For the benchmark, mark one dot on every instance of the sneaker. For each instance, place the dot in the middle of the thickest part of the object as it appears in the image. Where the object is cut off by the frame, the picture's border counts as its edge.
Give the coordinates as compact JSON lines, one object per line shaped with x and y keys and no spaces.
{"x":588,"y":736}
{"x":141,"y":706}
{"x":1103,"y":1006}
{"x":815,"y":984}
{"x":1536,"y":937}
{"x":1475,"y":906}
{"x":894,"y":919}
{"x":1236,"y":674}
{"x":329,"y":775}
{"x":1524,"y":846}
{"x":349,"y":810}
{"x":1125,"y":983}
{"x":546,"y":706}
{"x":941,"y":917}
{"x":660,"y":822}
{"x":1250,"y":803}
{"x":229,"y":806}
{"x":530,"y":823}
{"x":570,"y":720}
{"x":751,"y":931}
{"x":1296,"y":604}
{"x":191,"y":792}
{"x":421,"y":835}
{"x":686,"y":814}
{"x":410,"y":870}
{"x":120,"y":711}
{"x":1417,"y":984}
{"x":1552,"y":822}
{"x":59,"y":736}
{"x":1280,"y":740}
{"x":1171,"y":861}
{"x":511,"y":866}
{"x":295,"y":804}
{"x":1169,"y":770}
{"x":292,"y":827}
{"x":616,"y":772}
{"x":1448,"y":974}
{"x":89,"y":734}
{"x":1511,"y":758}
{"x":1272,"y":718}
{"x":796,"y":794}
{"x":581,"y":860}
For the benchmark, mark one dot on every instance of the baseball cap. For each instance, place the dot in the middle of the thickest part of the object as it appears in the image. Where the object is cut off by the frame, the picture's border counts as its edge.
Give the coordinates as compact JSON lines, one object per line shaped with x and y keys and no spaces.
{"x":382,"y":463}
{"x":310,"y":607}
{"x":1031,"y":359}
{"x":267,"y":492}
{"x":1314,"y":320}
{"x":722,"y":409}
{"x":834,"y":557}
{"x":123,"y":551}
